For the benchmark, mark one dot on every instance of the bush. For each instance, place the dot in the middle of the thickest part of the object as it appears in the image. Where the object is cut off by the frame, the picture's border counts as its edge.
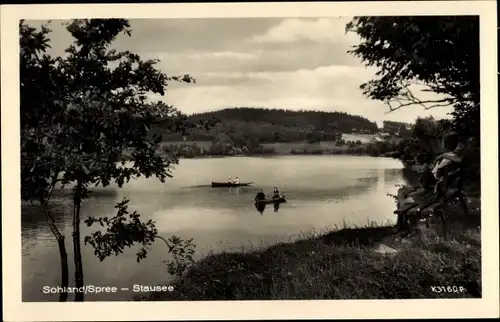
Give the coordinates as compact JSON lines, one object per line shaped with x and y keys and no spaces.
{"x":245,"y":151}
{"x":268,"y":150}
{"x":187,"y":152}
{"x":340,"y":142}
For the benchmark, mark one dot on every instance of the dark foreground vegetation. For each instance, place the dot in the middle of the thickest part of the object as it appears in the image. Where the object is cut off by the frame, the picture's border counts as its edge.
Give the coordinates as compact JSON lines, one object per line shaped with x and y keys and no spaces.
{"x":351,"y":263}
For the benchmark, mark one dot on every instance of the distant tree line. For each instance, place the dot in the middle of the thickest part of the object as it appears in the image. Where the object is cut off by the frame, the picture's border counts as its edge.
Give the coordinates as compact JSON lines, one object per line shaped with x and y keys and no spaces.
{"x":397,"y":128}
{"x":272,"y":125}
{"x":224,"y":146}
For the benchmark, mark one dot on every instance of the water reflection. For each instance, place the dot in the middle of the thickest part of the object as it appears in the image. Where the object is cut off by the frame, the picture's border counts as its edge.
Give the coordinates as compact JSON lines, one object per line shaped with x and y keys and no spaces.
{"x":260,"y":207}
{"x":234,"y":190}
{"x":392,"y":175}
{"x":337,"y":188}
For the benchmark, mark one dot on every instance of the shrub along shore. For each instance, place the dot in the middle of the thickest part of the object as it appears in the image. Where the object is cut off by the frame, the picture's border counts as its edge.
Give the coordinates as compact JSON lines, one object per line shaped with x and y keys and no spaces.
{"x":348,"y":263}
{"x":196,"y":149}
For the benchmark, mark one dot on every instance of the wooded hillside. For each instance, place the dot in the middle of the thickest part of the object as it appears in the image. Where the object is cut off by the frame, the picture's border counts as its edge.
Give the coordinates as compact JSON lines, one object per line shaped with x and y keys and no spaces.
{"x":274,"y":125}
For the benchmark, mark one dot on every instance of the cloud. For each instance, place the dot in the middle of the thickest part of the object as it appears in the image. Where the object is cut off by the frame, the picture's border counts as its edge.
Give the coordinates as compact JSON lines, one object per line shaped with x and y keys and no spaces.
{"x":274,"y":63}
{"x":290,"y":58}
{"x":225,"y":55}
{"x":334,"y":75}
{"x":322,"y":30}
{"x":325,"y":88}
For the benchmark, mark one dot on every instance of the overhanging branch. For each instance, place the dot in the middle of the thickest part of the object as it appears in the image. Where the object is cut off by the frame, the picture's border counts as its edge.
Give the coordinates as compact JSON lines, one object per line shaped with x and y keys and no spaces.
{"x":407,"y":98}
{"x":434,"y":103}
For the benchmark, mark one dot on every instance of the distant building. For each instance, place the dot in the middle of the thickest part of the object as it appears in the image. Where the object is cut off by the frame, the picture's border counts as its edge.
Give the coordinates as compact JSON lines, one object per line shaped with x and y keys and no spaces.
{"x":385,"y":137}
{"x":377,"y":138}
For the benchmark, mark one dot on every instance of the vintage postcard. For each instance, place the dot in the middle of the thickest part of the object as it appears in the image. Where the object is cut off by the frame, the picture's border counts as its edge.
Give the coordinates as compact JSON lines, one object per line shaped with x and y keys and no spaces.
{"x":249,"y":161}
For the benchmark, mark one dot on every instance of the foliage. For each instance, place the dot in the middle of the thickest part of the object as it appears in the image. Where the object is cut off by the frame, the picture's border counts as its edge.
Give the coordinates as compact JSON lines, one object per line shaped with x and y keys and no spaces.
{"x":121,"y":232}
{"x":426,"y":138}
{"x":319,"y":120}
{"x":341,"y":146}
{"x":40,"y":160}
{"x":394,"y":196}
{"x":182,"y":252}
{"x":340,"y":142}
{"x":438,"y":52}
{"x":36,"y":91}
{"x":79,"y":116}
{"x":430,"y":133}
{"x":401,"y":128}
{"x":270,"y":126}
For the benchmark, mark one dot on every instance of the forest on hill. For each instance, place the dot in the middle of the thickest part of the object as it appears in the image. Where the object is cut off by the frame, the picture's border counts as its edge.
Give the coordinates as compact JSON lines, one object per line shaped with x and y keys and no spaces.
{"x":272,"y":125}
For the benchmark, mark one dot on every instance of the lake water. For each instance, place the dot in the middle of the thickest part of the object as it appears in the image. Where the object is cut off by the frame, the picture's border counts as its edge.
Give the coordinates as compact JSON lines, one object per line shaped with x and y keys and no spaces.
{"x":322,"y":192}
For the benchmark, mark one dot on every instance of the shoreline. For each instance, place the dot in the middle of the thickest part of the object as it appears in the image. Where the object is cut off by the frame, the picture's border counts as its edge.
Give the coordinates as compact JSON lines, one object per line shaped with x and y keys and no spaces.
{"x":281,"y":155}
{"x":194,"y":149}
{"x":276,"y":154}
{"x":349,"y":263}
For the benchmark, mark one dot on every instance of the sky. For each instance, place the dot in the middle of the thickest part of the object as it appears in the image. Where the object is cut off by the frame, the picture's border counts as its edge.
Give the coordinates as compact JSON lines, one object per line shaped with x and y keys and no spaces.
{"x":256,"y":62}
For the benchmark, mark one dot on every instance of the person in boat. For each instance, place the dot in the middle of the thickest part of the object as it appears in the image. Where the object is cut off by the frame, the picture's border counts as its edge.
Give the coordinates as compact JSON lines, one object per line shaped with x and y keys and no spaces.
{"x":276,"y":193}
{"x":430,"y":173}
{"x":260,"y":195}
{"x":237,"y":180}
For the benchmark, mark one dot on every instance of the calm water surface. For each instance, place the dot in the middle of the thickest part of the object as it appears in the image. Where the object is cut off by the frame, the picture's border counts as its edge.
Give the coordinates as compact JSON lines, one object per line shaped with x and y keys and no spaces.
{"x":322,"y":192}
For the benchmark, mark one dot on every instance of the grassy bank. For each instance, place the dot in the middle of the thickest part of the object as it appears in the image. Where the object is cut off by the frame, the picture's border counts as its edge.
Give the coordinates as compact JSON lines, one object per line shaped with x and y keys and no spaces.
{"x":350,"y":263}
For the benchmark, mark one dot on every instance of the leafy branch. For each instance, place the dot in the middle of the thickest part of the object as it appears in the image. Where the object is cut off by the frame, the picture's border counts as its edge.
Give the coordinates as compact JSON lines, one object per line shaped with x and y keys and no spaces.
{"x":441,"y":52}
{"x":126,"y":230}
{"x":122,"y":231}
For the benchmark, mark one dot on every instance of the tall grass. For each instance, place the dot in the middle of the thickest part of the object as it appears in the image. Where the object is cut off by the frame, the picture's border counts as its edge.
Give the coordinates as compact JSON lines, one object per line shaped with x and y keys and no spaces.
{"x":343,"y":263}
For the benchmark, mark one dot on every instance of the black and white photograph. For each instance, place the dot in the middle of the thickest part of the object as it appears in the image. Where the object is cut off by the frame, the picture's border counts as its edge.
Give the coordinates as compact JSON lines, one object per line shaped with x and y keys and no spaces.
{"x":252,"y":158}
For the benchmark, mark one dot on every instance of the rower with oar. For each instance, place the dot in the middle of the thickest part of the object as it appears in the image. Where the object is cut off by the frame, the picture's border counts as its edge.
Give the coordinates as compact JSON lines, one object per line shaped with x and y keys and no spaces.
{"x":276,"y":193}
{"x":235,"y":181}
{"x":260,"y":196}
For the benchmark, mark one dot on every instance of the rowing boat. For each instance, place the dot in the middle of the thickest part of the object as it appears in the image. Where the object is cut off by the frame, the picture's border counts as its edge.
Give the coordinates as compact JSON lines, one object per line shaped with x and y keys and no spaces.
{"x":268,"y":201}
{"x":229,"y":184}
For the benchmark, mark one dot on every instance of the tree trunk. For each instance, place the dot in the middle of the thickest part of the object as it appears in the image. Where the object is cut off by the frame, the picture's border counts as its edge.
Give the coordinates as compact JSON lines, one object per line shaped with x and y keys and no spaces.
{"x":63,"y":296}
{"x":77,"y":254}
